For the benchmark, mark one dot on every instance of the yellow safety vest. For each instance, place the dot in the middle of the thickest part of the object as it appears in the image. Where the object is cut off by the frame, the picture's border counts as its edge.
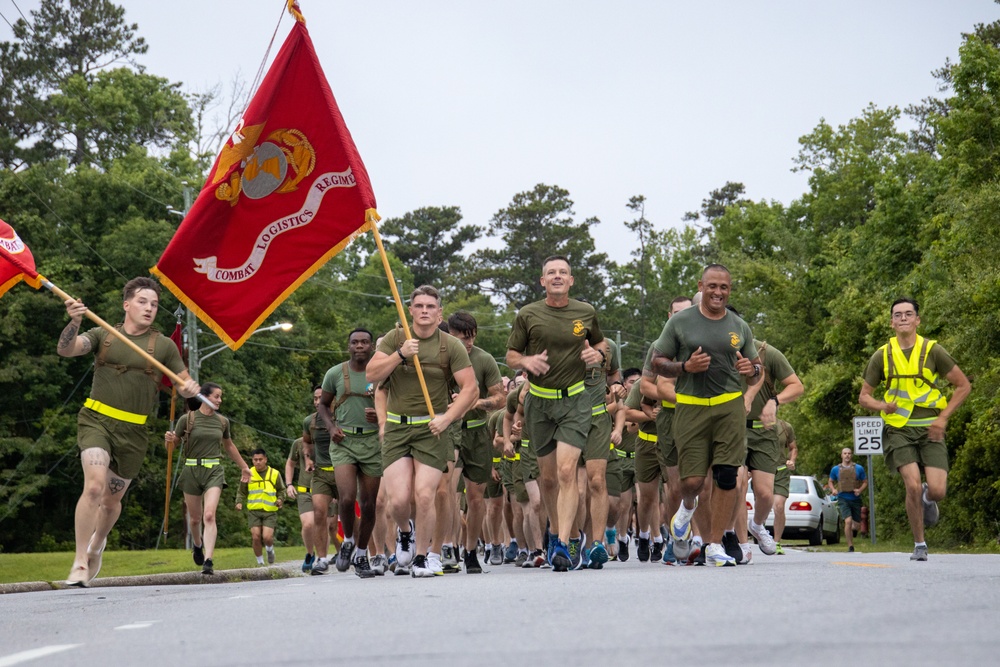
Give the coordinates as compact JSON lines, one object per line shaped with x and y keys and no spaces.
{"x":909,"y":383}
{"x":262,"y":494}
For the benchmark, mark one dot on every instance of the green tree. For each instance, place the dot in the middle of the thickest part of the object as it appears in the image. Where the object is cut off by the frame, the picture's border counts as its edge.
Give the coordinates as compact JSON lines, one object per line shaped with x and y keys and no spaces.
{"x":430,"y":241}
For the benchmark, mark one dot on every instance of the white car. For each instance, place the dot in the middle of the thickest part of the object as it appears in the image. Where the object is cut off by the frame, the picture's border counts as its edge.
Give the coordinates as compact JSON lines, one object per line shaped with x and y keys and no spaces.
{"x":809,"y":512}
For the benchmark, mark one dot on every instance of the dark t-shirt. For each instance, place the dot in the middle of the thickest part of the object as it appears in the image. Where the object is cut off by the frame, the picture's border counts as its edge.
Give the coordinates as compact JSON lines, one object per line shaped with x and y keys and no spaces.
{"x":207,"y":434}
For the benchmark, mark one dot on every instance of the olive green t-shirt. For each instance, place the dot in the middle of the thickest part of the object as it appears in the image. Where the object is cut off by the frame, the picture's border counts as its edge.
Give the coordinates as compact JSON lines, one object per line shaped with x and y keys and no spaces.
{"x":634,"y":401}
{"x":777,"y":368}
{"x":207,"y":434}
{"x":487,"y":375}
{"x":561,"y":331}
{"x":320,"y":436}
{"x":938,"y":361}
{"x":786,"y":434}
{"x":298,"y":458}
{"x":721,"y":339}
{"x":596,"y":376}
{"x":494,"y":424}
{"x":360,"y":395}
{"x":133,"y":390}
{"x":405,"y":395}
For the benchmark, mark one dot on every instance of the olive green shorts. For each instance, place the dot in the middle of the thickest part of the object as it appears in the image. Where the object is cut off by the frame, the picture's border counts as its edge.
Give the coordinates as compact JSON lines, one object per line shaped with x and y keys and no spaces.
{"x":665,"y":437}
{"x":494,"y":489}
{"x":911,"y":444}
{"x":195,"y":480}
{"x":551,"y":420}
{"x":417,"y":442}
{"x":709,"y":435}
{"x":529,"y":462}
{"x":125,"y":443}
{"x":781,"y":480}
{"x":513,"y":482}
{"x":475,"y":454}
{"x":598,"y":438}
{"x":613,"y":477}
{"x":304,"y":501}
{"x":262,"y":519}
{"x":763,"y":450}
{"x":647,"y":459}
{"x":362,"y":451}
{"x":324,"y":483}
{"x":627,"y":468}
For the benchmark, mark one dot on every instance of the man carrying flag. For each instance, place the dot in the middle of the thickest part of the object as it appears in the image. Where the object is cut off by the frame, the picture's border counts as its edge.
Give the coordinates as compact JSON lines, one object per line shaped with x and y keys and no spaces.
{"x":111,"y":431}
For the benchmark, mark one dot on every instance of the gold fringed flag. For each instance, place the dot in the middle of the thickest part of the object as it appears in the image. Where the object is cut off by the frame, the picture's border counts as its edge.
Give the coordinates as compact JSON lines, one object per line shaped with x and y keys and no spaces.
{"x":16,"y":262}
{"x":287,"y":192}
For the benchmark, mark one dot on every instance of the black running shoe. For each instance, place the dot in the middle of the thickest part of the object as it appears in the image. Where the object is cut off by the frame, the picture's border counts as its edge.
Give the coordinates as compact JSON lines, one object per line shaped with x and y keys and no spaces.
{"x":208,"y":567}
{"x":199,"y":555}
{"x":472,"y":565}
{"x":363,"y":569}
{"x":622,"y":551}
{"x":656,"y":555}
{"x":731,"y":545}
{"x":643,"y":549}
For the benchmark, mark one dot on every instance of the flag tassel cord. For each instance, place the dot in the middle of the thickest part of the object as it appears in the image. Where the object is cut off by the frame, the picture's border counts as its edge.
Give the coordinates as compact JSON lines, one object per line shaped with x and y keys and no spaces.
{"x":372,"y":217}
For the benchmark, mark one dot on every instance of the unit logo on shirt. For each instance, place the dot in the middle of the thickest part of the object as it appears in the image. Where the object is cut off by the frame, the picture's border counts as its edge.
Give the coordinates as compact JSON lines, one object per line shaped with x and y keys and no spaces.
{"x":578,"y":328}
{"x":735,"y":340}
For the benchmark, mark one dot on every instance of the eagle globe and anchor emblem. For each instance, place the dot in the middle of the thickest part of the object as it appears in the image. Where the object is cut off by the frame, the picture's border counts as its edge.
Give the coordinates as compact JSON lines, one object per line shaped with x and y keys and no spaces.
{"x":277,"y":164}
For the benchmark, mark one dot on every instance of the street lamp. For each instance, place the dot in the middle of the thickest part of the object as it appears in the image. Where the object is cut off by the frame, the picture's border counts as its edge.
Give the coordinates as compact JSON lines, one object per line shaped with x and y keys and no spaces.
{"x":219,"y":347}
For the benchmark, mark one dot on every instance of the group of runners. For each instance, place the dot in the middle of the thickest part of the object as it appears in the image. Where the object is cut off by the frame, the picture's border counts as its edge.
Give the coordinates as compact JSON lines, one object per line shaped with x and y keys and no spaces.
{"x":448,"y":462}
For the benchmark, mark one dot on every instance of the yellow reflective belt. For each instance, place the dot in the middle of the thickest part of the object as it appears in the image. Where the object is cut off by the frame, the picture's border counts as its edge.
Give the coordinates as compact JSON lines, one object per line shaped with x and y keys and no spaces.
{"x":543,"y":392}
{"x":780,"y":468}
{"x":648,"y":437}
{"x":755,"y":423}
{"x":407,"y":419}
{"x":473,"y":423}
{"x":525,"y":442}
{"x":114,"y":413}
{"x":923,"y":421}
{"x":207,"y":463}
{"x":625,"y":455}
{"x":685,"y":399}
{"x":327,"y":468}
{"x":302,"y":489}
{"x":516,"y":457}
{"x":496,"y":459}
{"x":601,"y":409}
{"x":668,"y":405}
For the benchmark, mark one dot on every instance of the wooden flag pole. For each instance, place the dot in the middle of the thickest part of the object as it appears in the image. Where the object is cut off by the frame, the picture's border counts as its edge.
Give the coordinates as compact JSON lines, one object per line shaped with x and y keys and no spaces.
{"x":402,"y":314}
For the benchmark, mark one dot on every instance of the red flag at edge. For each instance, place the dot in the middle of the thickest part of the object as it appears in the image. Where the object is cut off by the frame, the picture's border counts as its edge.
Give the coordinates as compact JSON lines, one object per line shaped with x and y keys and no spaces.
{"x":16,"y":261}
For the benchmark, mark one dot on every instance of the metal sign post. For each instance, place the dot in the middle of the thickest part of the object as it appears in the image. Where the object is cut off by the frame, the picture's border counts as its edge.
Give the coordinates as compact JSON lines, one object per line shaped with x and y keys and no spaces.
{"x":868,"y":441}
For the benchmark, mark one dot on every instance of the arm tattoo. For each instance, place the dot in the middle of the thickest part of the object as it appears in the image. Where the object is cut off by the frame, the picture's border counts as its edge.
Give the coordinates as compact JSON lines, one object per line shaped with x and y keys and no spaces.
{"x":68,"y":336}
{"x":85,"y":345}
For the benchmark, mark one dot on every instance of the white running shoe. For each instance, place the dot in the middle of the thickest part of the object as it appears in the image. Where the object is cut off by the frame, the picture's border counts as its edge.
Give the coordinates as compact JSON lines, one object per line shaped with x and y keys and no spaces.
{"x":764,"y":539}
{"x":716,"y":556}
{"x":434,"y":563}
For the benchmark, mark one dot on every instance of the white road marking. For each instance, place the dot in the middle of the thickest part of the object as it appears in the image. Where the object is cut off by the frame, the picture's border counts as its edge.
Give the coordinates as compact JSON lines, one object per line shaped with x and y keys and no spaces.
{"x":241,"y":597}
{"x":138,"y":625}
{"x":35,"y":653}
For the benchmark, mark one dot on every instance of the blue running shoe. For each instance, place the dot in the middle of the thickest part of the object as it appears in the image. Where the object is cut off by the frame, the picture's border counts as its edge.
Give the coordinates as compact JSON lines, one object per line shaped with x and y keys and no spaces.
{"x":598,"y":554}
{"x":307,"y":564}
{"x":680,"y":531}
{"x":611,"y":536}
{"x":668,"y":555}
{"x":561,"y":561}
{"x":510,"y":555}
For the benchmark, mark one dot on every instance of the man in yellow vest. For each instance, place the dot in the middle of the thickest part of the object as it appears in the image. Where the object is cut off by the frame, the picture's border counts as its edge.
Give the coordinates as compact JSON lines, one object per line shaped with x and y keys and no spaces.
{"x":916,"y":414}
{"x":264,"y":495}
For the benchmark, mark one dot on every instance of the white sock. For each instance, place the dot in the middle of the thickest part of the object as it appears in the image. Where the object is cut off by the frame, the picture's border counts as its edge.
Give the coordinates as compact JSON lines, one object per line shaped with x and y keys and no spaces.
{"x":270,"y":549}
{"x":522,"y":551}
{"x":260,"y":560}
{"x":643,"y":534}
{"x":658,"y":539}
{"x":696,"y":540}
{"x":757,"y":527}
{"x":919,"y":544}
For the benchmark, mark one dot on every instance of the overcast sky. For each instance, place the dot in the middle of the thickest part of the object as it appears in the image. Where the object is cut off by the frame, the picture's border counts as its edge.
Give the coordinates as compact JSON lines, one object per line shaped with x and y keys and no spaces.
{"x":467,"y":103}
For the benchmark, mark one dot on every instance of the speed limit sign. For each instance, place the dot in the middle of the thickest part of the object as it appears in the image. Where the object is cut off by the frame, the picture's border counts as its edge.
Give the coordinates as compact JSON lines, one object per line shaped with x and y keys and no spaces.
{"x":868,"y":435}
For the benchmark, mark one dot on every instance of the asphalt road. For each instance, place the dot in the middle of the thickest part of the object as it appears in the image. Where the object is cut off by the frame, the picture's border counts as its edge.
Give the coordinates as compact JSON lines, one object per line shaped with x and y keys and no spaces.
{"x":825,"y":608}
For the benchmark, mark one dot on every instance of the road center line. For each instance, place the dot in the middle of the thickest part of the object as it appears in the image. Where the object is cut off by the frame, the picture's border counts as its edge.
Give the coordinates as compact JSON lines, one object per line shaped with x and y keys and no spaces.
{"x":848,"y":563}
{"x":35,"y":653}
{"x":138,"y":625}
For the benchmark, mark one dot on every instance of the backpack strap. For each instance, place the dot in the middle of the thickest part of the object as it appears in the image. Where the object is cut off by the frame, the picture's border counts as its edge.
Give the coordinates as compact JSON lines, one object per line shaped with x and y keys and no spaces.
{"x":102,"y":352}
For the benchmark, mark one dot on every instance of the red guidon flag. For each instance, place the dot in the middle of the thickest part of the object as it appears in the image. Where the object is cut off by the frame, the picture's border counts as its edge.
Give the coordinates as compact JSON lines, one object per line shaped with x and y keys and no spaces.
{"x":287,"y":192}
{"x":16,"y":262}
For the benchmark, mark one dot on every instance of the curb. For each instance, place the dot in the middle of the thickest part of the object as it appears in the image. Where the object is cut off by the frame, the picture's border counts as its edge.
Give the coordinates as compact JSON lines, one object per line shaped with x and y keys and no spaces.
{"x":165,"y":579}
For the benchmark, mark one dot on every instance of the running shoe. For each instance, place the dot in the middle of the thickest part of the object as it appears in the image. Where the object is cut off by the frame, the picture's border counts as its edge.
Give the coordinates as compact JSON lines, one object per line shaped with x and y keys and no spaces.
{"x":656,"y":555}
{"x":731,"y":544}
{"x":404,"y":546}
{"x":850,"y":549}
{"x":198,"y":554}
{"x":320,"y":567}
{"x":931,"y":512}
{"x":696,"y":556}
{"x":668,"y":555}
{"x":379,"y":565}
{"x":778,"y":550}
{"x":496,"y":554}
{"x":536,"y":559}
{"x":402,"y":571}
{"x":717,"y":556}
{"x":434,"y":563}
{"x":575,"y":555}
{"x":481,"y":550}
{"x":598,"y":554}
{"x":764,"y":539}
{"x":522,"y":558}
{"x":610,"y":536}
{"x":623,"y":549}
{"x":420,"y":568}
{"x":344,"y":556}
{"x":363,"y":568}
{"x":270,"y":556}
{"x":680,"y":531}
{"x":208,"y":567}
{"x":94,"y":560}
{"x":919,"y":553}
{"x":472,"y":565}
{"x":664,"y":533}
{"x":561,"y":561}
{"x":307,"y":562}
{"x":746,"y":555}
{"x":448,"y":556}
{"x":510,"y":555}
{"x":642,"y":551}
